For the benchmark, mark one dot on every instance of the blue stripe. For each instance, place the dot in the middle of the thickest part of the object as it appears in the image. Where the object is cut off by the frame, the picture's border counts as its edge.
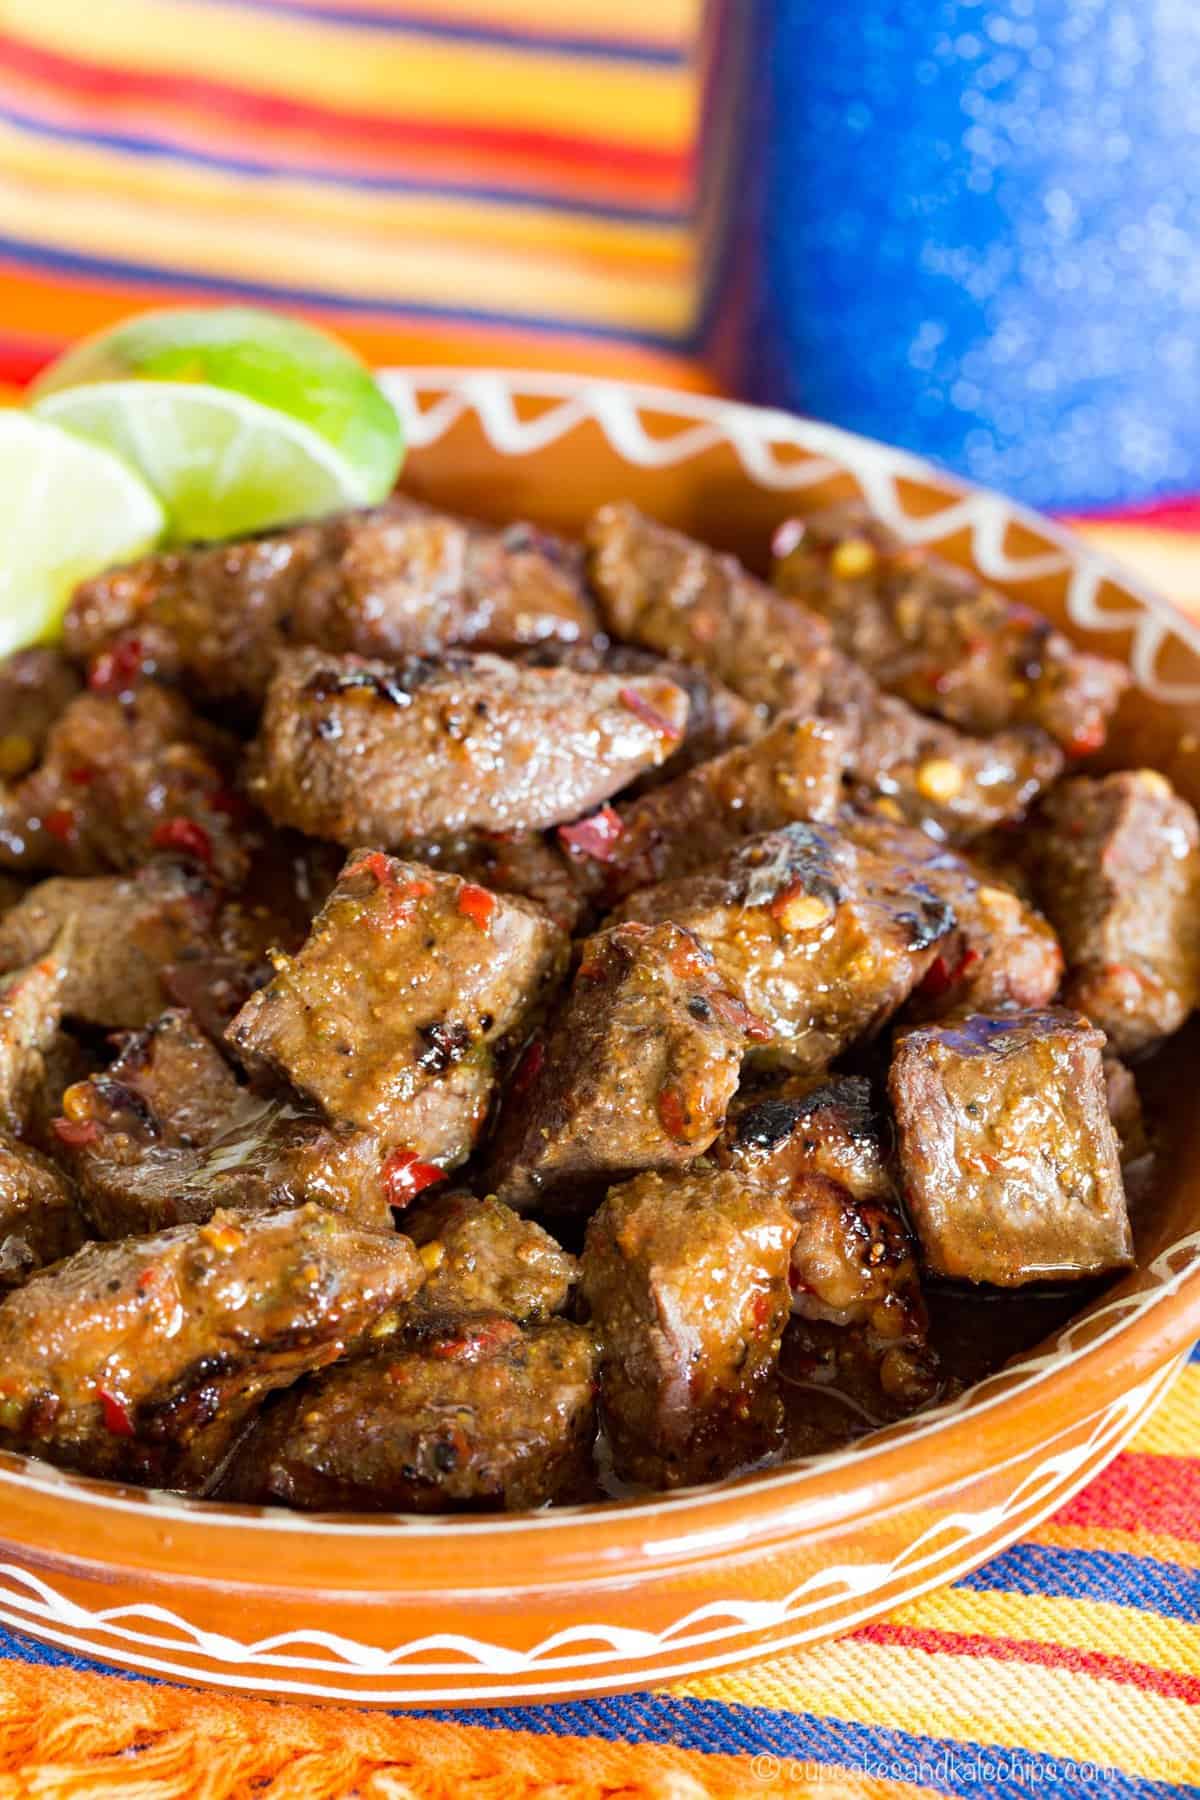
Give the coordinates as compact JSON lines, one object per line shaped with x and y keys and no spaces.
{"x":1137,"y":1581}
{"x":947,"y":1765}
{"x":950,"y":1766}
{"x":161,"y":150}
{"x":73,"y":262}
{"x":1195,"y":1353}
{"x":417,"y":24}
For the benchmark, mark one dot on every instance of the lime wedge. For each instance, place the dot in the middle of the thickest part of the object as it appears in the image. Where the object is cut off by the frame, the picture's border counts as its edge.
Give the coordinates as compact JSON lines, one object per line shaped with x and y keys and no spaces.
{"x":239,"y":419}
{"x":67,"y":510}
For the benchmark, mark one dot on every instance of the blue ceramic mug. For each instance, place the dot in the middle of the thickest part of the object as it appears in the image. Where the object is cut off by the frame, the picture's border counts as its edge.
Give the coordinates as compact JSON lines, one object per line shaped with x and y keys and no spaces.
{"x":982,"y":236}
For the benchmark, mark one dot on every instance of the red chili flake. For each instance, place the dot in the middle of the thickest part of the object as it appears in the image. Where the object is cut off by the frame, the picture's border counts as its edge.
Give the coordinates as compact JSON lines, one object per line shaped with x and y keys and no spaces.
{"x":117,"y":1417}
{"x":529,"y":1068}
{"x":185,"y":838}
{"x":738,"y":1015}
{"x":117,"y":669}
{"x":405,"y":1176}
{"x":941,"y":976}
{"x":401,"y":894}
{"x":1087,"y":739}
{"x":474,"y":1342}
{"x":641,"y":708}
{"x":762,"y":1311}
{"x":476,"y":904}
{"x":62,"y":824}
{"x":674,"y":1115}
{"x":595,"y":836}
{"x":81,"y":776}
{"x":75,"y":1133}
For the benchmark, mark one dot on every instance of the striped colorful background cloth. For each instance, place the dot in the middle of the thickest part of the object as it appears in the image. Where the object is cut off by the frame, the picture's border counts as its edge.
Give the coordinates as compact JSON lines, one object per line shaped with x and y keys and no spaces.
{"x":542,"y":183}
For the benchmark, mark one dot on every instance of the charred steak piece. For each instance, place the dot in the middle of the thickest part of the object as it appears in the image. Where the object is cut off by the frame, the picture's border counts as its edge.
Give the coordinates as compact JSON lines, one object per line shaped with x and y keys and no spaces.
{"x":793,"y":771}
{"x":469,"y":1414}
{"x":824,"y":938}
{"x":391,"y":1015}
{"x":510,"y":862}
{"x":142,"y":1359}
{"x":398,"y":580}
{"x":1010,"y":1164}
{"x":671,"y":594}
{"x":918,"y":770}
{"x":124,"y":931}
{"x":940,"y":637}
{"x":480,"y":1256}
{"x":35,"y":686}
{"x":1001,"y":953}
{"x":39,"y":1220}
{"x":717,"y":718}
{"x":368,"y":751}
{"x":165,"y":1136}
{"x":635,"y":1073}
{"x":1115,"y":863}
{"x":134,"y":1176}
{"x":1125,"y":1110}
{"x":31,"y":1005}
{"x":686,"y":1276}
{"x":817,"y":1145}
{"x":124,"y":776}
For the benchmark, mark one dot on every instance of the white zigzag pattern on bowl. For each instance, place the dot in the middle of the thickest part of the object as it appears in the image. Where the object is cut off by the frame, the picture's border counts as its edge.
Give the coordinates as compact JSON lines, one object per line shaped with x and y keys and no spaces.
{"x":751,"y":432}
{"x":28,"y":1601}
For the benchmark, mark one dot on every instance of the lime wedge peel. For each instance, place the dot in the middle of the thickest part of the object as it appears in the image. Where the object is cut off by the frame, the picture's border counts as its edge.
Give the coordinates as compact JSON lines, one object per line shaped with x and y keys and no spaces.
{"x":223,"y":465}
{"x":67,"y":510}
{"x":239,"y":418}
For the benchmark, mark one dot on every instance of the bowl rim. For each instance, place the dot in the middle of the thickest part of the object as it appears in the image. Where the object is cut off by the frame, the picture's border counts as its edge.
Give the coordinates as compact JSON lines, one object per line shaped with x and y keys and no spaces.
{"x":1155,"y":1311}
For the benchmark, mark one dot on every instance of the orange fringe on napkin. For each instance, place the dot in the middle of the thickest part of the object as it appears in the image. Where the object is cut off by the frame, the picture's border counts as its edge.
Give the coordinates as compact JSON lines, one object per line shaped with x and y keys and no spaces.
{"x":71,"y":1736}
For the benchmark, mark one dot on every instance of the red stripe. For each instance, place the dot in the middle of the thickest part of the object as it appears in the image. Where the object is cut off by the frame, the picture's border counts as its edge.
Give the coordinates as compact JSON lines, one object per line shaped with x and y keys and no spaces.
{"x":1140,"y":1492}
{"x":357,"y":129}
{"x":1168,"y":515}
{"x":22,"y":358}
{"x":1170,"y":1682}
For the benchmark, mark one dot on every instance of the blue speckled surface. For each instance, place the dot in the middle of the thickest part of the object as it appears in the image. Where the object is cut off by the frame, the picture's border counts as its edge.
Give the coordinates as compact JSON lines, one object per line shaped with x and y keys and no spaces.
{"x":983,"y":236}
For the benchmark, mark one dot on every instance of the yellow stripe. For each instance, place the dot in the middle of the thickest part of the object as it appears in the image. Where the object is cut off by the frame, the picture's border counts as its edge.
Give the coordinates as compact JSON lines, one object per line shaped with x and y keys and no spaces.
{"x":1126,"y":1543}
{"x":371,"y":72}
{"x":1079,"y":1624}
{"x":267,"y":201}
{"x":1171,"y":1429}
{"x":292,"y":254}
{"x":976,"y":1701}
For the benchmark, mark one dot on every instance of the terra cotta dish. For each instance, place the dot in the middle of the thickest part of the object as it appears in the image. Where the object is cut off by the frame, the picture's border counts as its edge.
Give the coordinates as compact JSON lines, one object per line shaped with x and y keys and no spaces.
{"x":470,"y":1610}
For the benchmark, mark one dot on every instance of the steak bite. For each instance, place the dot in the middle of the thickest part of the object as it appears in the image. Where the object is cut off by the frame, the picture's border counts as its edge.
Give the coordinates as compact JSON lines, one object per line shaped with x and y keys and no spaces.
{"x":686,"y":1276}
{"x":1002,"y":953}
{"x":392,"y":1014}
{"x":792,"y":772}
{"x":825,"y":939}
{"x":940,"y":637}
{"x":470,"y":1415}
{"x":671,"y":594}
{"x":124,"y":775}
{"x":818,"y":1146}
{"x":35,"y":686}
{"x":358,"y":751}
{"x":397,"y":580}
{"x":141,"y":1360}
{"x":124,"y":931}
{"x":1116,"y":864}
{"x":1009,"y":1161}
{"x":39,"y":1220}
{"x":918,"y":770}
{"x":635,"y":1073}
{"x":510,"y":862}
{"x":480,"y":1256}
{"x":31,"y":1005}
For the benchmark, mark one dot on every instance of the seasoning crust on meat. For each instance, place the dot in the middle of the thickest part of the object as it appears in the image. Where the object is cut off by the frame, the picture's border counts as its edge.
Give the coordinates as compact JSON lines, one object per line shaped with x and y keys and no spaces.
{"x":491,"y":1022}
